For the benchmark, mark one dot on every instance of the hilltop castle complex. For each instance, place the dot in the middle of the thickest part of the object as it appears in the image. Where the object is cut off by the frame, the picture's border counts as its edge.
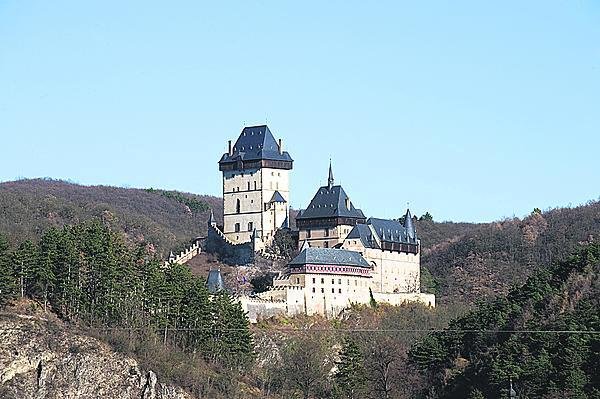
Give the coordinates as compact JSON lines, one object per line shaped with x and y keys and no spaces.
{"x":344,"y":257}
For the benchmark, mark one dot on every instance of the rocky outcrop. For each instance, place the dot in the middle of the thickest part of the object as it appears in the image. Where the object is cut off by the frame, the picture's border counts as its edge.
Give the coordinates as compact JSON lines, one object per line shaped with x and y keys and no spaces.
{"x":43,"y":359}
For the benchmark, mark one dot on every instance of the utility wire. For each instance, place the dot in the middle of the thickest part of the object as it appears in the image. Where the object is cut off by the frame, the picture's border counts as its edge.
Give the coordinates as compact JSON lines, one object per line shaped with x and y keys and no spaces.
{"x":357,"y":330}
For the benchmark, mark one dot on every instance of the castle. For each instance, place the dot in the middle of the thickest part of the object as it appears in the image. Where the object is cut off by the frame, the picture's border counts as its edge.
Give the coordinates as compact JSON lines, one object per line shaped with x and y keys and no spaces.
{"x":344,"y":257}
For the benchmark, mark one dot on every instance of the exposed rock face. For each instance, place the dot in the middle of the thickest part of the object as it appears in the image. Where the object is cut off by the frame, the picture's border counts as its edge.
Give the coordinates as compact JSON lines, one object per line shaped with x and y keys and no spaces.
{"x":40,"y":358}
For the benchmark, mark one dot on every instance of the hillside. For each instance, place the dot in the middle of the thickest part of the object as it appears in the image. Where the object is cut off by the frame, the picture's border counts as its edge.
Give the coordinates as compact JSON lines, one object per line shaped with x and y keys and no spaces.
{"x":508,"y":338}
{"x":167,"y":220}
{"x":470,"y":262}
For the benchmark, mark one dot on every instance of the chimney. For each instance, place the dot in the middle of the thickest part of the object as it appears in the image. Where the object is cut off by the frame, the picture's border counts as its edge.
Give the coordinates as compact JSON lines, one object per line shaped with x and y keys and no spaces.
{"x":280,"y":146}
{"x":230,"y":152}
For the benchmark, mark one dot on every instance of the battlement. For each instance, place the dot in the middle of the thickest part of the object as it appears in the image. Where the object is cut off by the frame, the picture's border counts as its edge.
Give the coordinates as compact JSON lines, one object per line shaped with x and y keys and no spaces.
{"x":184,"y":256}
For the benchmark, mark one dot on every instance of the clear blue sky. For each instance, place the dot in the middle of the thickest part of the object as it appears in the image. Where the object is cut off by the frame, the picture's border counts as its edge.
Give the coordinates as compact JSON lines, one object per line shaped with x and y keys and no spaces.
{"x":469,"y":110}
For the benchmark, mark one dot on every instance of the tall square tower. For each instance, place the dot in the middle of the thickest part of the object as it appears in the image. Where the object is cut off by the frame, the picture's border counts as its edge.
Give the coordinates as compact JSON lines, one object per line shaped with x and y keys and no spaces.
{"x":256,"y":190}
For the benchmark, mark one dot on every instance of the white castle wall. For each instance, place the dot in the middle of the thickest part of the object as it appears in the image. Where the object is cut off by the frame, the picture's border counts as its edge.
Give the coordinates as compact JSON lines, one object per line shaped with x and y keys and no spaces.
{"x":398,"y":272}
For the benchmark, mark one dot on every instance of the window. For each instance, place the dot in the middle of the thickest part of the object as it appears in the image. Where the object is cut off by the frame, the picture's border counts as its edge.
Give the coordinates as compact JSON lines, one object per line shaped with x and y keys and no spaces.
{"x":322,"y":281}
{"x":326,"y":244}
{"x":333,"y":290}
{"x":255,"y":185}
{"x":308,"y":235}
{"x":326,"y":232}
{"x":248,"y":186}
{"x":332,"y":281}
{"x":340,"y":281}
{"x":297,"y":280}
{"x":237,"y":207}
{"x":237,"y":227}
{"x":313,"y":289}
{"x":322,"y":290}
{"x":314,"y":280}
{"x":250,"y":226}
{"x":340,"y":290}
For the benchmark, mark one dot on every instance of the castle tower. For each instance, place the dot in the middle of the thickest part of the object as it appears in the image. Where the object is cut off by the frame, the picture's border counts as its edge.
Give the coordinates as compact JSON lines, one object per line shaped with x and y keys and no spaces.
{"x":329,"y":217}
{"x":256,"y":191}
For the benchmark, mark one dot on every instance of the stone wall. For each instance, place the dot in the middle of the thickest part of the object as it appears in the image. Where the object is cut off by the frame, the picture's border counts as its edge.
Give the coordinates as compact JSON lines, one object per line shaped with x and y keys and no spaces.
{"x":257,"y":308}
{"x":403,"y":298}
{"x":226,"y":250}
{"x":253,"y":189}
{"x":185,"y":256}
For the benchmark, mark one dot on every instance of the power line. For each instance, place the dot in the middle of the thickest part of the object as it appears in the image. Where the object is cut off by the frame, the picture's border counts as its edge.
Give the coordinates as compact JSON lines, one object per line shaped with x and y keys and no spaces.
{"x":356,"y":330}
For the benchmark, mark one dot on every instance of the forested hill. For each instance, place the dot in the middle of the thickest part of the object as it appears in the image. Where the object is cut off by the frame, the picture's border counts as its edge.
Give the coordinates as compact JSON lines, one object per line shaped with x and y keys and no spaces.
{"x":473,"y":261}
{"x":166,"y":219}
{"x":545,"y":335}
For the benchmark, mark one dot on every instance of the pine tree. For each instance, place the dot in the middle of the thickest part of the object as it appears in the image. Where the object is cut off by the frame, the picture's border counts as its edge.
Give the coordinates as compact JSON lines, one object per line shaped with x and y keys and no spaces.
{"x":7,"y":278}
{"x":24,"y":260}
{"x":350,"y":377}
{"x":196,"y":316}
{"x":231,"y":340}
{"x":43,"y":272}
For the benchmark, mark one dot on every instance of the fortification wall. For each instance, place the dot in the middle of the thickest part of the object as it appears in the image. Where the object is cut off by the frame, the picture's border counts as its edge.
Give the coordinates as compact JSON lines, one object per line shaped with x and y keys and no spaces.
{"x":403,"y":298}
{"x":185,"y":256}
{"x":227,"y":251}
{"x":257,"y":309}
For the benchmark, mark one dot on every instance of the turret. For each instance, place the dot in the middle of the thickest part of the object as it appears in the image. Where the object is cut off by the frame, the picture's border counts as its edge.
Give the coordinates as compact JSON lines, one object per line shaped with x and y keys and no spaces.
{"x":409,"y":226}
{"x":214,"y":282}
{"x":211,"y":220}
{"x":330,"y":180}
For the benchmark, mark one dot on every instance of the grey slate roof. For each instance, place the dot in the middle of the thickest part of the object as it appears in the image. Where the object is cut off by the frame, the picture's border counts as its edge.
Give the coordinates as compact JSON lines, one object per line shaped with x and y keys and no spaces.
{"x":362,"y":232}
{"x":390,"y":230}
{"x":330,"y":203}
{"x":277,"y":197}
{"x":329,"y":256}
{"x":386,"y":230}
{"x":409,"y":225}
{"x":214,"y":282}
{"x":256,"y":143}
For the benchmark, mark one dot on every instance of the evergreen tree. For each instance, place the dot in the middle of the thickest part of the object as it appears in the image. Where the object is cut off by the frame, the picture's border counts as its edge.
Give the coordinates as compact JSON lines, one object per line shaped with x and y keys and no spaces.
{"x":350,"y":376}
{"x":231,"y":340}
{"x":7,"y":278}
{"x":196,"y":316}
{"x":24,"y":260}
{"x":43,"y":273}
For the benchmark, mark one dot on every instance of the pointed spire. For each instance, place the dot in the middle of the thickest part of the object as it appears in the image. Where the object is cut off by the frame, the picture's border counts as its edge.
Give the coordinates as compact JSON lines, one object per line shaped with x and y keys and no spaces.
{"x":211,"y":219}
{"x":409,"y":225}
{"x":330,"y":180}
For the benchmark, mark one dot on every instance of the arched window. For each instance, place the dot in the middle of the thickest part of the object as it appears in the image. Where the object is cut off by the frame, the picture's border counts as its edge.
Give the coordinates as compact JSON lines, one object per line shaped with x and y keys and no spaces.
{"x":237,"y":206}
